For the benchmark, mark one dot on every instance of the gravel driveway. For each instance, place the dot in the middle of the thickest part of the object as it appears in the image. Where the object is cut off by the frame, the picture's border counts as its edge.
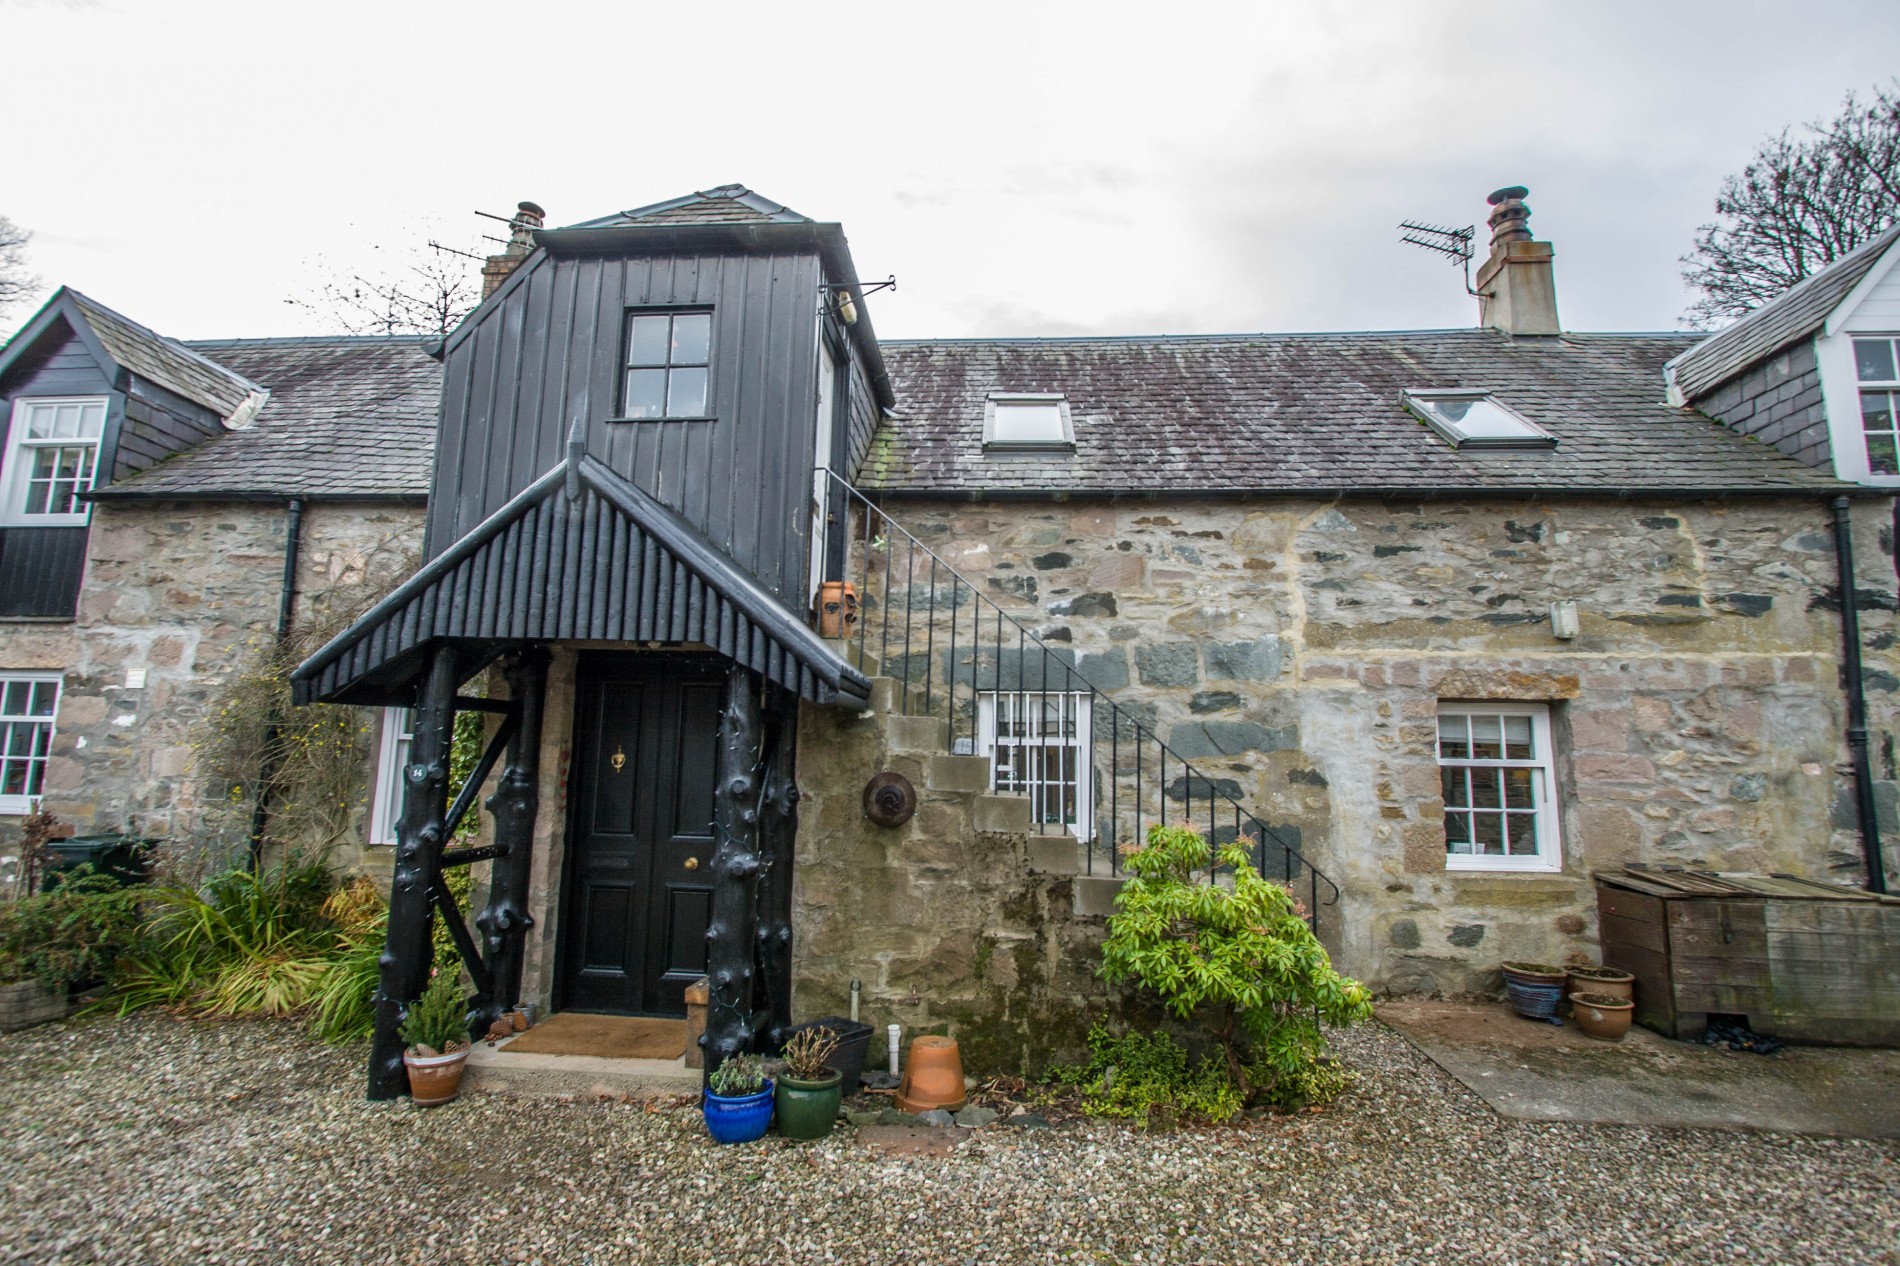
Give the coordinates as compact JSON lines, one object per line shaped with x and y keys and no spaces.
{"x":155,"y":1140}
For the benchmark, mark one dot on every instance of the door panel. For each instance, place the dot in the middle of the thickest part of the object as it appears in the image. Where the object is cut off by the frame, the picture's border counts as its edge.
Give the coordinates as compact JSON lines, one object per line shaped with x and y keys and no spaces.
{"x":641,"y":841}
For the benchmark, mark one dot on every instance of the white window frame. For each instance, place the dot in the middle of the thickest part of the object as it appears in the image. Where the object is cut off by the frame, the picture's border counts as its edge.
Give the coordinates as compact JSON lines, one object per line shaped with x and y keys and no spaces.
{"x":1004,"y":399}
{"x":1544,"y":810}
{"x":1419,"y":403}
{"x":1077,"y":712}
{"x":18,"y":466}
{"x":1889,"y":386}
{"x":22,"y":804}
{"x":396,"y":732}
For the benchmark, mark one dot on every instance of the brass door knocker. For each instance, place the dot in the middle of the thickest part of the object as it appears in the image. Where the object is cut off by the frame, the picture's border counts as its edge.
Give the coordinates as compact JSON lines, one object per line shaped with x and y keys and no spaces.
{"x":619,"y":759}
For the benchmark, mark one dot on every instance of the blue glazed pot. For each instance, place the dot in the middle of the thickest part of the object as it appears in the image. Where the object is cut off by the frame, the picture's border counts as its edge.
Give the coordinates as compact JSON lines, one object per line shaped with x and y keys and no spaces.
{"x":739,"y":1119}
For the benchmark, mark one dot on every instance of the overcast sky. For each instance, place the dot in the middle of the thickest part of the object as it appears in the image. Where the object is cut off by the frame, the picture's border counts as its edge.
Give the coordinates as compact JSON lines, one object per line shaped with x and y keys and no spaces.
{"x":1027,"y":168}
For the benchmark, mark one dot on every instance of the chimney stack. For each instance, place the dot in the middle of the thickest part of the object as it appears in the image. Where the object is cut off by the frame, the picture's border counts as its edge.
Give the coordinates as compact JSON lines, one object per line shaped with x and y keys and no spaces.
{"x":527,"y":218}
{"x":1517,"y":287}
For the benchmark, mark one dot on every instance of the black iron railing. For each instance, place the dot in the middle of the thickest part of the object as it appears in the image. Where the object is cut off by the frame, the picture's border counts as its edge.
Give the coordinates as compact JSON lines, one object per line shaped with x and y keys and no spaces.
{"x":1091,"y":767}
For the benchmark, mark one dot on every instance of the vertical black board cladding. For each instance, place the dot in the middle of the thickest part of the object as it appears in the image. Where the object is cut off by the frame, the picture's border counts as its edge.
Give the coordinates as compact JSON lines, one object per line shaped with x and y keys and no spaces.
{"x":40,"y":571}
{"x":550,"y":351}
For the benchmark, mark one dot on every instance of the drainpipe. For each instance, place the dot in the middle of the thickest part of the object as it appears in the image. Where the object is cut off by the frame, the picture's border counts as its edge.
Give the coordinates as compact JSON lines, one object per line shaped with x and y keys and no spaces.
{"x":1854,"y":685}
{"x":286,"y":604}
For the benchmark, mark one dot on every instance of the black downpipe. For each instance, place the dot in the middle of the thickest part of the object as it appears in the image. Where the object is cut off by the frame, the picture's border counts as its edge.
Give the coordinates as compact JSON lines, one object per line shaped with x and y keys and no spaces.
{"x":1854,"y":685}
{"x":286,"y":604}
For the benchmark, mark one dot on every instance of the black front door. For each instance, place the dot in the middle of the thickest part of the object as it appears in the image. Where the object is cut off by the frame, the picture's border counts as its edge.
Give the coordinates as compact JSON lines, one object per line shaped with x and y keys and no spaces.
{"x":640,"y":836}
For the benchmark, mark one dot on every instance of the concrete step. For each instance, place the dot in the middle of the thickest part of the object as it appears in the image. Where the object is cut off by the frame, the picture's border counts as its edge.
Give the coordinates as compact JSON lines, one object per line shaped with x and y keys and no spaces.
{"x":493,"y":1070}
{"x":915,"y":734}
{"x":1095,"y":894}
{"x":1058,"y":854}
{"x":957,"y":773}
{"x":1002,"y":813}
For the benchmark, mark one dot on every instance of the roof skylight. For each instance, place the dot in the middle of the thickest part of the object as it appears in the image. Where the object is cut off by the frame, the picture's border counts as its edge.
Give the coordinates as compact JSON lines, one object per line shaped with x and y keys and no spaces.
{"x":1027,"y":420}
{"x":1470,"y":418}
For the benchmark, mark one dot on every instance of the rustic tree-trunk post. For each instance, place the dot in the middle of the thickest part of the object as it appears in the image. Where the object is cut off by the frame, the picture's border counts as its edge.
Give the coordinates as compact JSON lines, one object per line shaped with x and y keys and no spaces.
{"x":407,"y":950}
{"x":505,"y":921}
{"x":777,"y":828}
{"x":735,"y":875}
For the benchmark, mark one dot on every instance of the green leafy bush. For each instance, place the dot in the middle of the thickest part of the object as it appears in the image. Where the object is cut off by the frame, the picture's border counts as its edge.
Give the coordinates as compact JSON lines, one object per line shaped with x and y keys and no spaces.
{"x":439,"y":1018}
{"x":1238,"y":958}
{"x":75,"y":934}
{"x":1147,"y":1077}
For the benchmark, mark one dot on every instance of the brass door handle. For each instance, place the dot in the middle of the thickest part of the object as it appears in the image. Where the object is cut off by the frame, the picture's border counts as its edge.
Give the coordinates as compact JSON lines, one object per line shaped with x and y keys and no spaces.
{"x":692,"y":863}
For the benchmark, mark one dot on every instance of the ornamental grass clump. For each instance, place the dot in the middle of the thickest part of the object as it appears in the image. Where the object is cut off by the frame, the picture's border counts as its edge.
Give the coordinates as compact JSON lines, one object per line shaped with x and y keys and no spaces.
{"x":807,"y":1054}
{"x":1239,"y":959}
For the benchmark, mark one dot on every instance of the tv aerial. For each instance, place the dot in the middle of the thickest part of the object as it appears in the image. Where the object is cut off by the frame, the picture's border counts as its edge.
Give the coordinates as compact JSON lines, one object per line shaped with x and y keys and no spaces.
{"x":1453,"y":244}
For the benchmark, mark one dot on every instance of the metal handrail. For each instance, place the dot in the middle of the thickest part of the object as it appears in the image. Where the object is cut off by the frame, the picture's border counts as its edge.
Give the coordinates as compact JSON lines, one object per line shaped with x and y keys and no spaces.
{"x":868,"y":530}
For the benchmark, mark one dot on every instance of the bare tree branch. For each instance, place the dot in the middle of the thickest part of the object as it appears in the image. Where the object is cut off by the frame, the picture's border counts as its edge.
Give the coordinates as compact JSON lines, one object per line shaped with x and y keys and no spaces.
{"x":424,"y":290}
{"x":16,"y":283}
{"x":1799,"y":205}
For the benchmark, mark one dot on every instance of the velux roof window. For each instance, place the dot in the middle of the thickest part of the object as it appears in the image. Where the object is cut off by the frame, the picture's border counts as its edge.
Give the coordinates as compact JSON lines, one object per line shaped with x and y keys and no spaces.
{"x":1470,"y":418}
{"x":1027,"y":420}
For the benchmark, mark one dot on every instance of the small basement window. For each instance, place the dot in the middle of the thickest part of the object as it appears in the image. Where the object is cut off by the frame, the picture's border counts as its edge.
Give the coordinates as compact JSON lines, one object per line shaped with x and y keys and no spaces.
{"x":1028,"y":420}
{"x":1470,"y":418}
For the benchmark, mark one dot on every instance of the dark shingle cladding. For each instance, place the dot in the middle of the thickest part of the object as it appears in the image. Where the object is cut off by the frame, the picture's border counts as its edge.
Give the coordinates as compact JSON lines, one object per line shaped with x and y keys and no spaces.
{"x":1794,"y":315}
{"x":347,"y":418}
{"x":167,"y":362}
{"x":1310,"y":413}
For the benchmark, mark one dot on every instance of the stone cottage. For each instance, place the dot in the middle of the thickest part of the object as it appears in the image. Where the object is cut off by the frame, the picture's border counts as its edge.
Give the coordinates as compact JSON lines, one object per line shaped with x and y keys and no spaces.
{"x":810,"y":658}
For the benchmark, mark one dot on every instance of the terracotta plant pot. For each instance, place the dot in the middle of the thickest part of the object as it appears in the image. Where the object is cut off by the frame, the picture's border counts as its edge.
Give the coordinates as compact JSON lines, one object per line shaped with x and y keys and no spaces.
{"x":808,"y":1109}
{"x":933,"y":1077}
{"x":434,"y":1079}
{"x":1606,"y":980}
{"x":1602,"y":1015}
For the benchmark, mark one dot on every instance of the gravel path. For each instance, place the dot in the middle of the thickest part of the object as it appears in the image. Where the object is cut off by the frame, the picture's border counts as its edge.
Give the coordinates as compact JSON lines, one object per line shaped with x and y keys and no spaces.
{"x":156,"y":1140}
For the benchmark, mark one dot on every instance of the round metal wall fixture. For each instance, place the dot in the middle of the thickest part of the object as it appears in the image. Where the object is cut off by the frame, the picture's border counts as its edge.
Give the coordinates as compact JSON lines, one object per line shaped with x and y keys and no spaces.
{"x":889,"y":799}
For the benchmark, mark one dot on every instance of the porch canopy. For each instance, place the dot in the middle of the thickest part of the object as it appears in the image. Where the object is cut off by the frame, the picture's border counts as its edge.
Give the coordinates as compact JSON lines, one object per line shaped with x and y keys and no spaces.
{"x":581,"y":554}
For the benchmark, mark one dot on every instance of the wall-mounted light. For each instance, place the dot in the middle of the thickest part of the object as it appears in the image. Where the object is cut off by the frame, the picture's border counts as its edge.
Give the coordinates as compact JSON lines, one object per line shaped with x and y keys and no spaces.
{"x":847,"y":310}
{"x":1563,"y":620}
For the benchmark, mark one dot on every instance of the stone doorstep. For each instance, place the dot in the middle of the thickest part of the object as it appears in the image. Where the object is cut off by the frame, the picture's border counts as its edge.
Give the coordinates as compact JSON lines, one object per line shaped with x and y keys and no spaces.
{"x":493,"y":1070}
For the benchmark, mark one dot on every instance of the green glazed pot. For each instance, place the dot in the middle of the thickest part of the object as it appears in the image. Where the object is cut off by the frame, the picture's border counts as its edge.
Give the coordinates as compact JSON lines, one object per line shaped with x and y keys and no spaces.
{"x":808,"y":1109}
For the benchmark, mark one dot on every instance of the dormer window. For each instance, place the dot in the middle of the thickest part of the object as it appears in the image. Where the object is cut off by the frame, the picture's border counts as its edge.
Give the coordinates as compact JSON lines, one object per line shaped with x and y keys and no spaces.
{"x":1877,"y":365}
{"x":669,"y":360}
{"x":1470,"y":418}
{"x":1027,"y":421}
{"x":52,"y":458}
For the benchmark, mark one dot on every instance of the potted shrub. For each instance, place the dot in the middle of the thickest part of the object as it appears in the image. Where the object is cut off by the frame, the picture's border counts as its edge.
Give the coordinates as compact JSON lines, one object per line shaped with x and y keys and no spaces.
{"x":808,"y":1087}
{"x":436,"y":1033}
{"x":737,"y":1104}
{"x":1602,"y":1015}
{"x":1534,"y":989}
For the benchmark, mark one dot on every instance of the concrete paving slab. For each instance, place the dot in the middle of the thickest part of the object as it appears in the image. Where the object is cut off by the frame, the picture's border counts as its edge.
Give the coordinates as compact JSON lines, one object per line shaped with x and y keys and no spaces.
{"x":1536,"y":1071}
{"x":494,"y":1069}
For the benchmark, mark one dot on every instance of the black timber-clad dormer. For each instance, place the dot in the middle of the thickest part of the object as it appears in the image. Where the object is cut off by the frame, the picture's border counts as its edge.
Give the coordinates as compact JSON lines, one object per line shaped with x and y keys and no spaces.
{"x":87,"y":398}
{"x":608,"y":330}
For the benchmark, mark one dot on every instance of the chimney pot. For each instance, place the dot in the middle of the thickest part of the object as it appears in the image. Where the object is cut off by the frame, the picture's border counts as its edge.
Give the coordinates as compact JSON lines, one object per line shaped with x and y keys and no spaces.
{"x":1517,"y":286}
{"x":527,"y":218}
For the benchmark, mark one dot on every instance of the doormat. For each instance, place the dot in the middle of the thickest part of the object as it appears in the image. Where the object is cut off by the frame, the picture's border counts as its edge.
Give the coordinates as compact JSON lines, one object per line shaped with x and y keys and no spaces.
{"x":605,"y":1036}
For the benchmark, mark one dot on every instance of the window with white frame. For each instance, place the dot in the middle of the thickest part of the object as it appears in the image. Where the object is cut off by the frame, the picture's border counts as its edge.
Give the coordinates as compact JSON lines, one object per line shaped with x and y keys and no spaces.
{"x":1494,"y":764}
{"x":1038,"y":744}
{"x":28,"y":704}
{"x":669,"y":365}
{"x":392,"y":753}
{"x":1027,"y":420}
{"x":52,"y":457}
{"x":1877,"y":366}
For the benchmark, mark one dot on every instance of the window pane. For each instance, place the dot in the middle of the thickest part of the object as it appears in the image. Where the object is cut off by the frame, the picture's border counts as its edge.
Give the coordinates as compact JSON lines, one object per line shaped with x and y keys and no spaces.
{"x":1485,"y":791}
{"x":13,"y":779}
{"x":1517,"y":738}
{"x":1027,"y":424}
{"x":1454,"y":737}
{"x":45,"y":697}
{"x":647,"y":339}
{"x":692,"y":338}
{"x":13,"y":701}
{"x":686,"y":398}
{"x":1523,"y":827}
{"x":1873,"y":359}
{"x":1883,"y":457}
{"x":1453,"y":781}
{"x":646,"y":394}
{"x":1876,"y":411}
{"x":1518,"y":792}
{"x":20,"y":738}
{"x":1486,"y":735}
{"x":1488,"y":828}
{"x":1458,"y":833}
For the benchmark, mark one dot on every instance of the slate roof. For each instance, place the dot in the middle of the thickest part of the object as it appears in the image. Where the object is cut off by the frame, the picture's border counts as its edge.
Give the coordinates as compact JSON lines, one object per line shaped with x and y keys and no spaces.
{"x":1797,"y":313}
{"x":728,"y":204}
{"x":165,"y":361}
{"x":1310,"y":413}
{"x":347,"y":418}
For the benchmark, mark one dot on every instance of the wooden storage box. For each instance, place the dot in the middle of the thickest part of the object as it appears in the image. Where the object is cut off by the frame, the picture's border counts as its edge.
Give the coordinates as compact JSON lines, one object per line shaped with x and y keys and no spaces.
{"x":1801,"y":960}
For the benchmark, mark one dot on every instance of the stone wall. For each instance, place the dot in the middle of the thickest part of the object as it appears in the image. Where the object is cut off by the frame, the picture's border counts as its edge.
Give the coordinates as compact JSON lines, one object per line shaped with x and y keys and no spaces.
{"x":1779,"y":403}
{"x":185,"y":593}
{"x":1297,"y":653}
